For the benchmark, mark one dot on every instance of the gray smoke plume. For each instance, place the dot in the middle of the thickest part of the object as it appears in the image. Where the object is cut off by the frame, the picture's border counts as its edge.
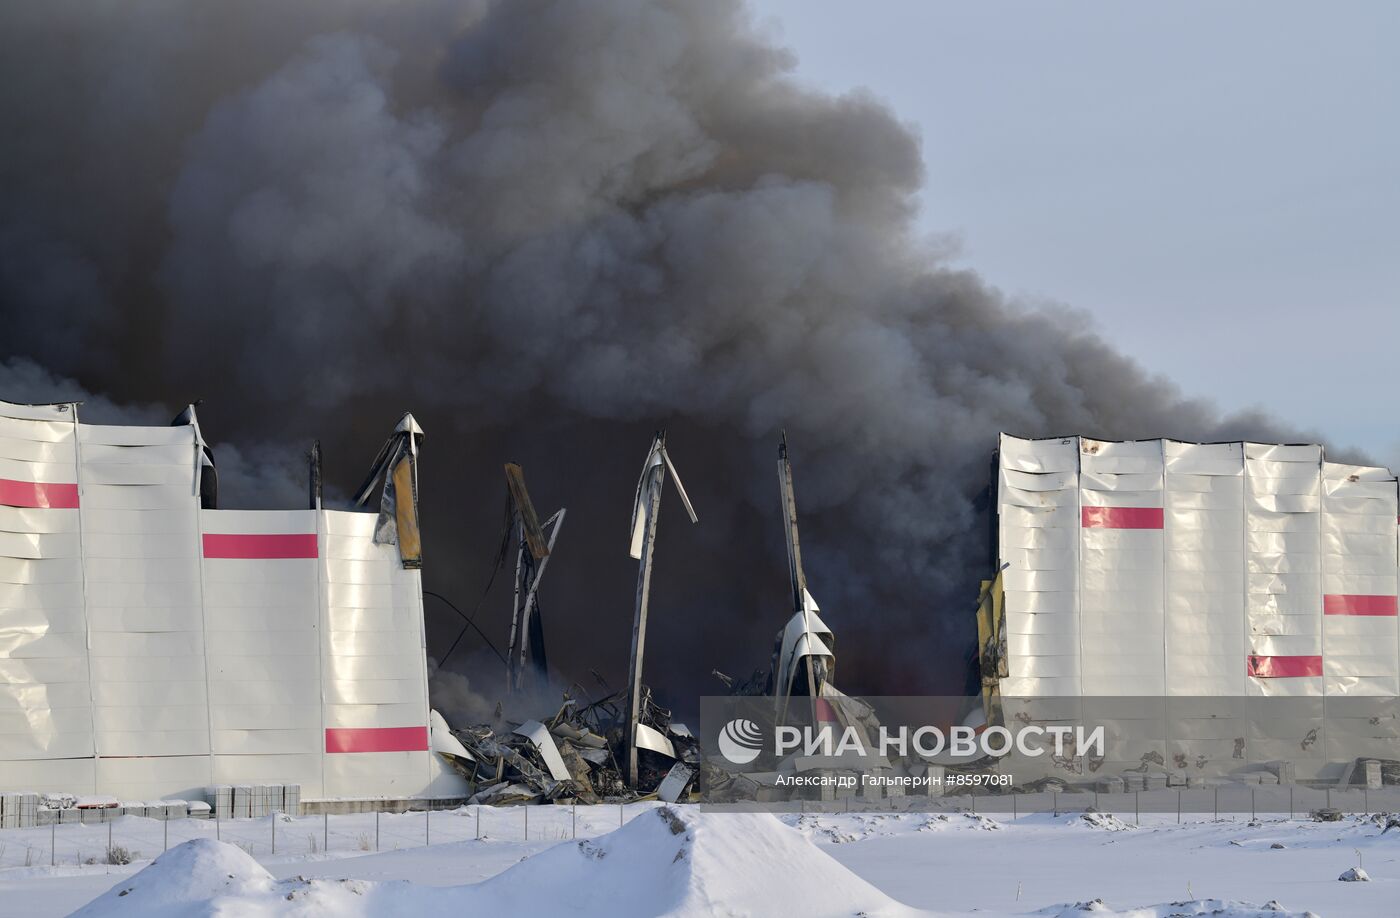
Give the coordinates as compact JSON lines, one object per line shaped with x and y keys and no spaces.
{"x":265,"y":476}
{"x":547,"y":227}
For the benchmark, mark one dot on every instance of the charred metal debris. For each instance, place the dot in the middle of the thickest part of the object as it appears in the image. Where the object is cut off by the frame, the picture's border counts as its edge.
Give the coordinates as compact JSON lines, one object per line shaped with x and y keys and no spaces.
{"x":578,"y":753}
{"x":621,"y":746}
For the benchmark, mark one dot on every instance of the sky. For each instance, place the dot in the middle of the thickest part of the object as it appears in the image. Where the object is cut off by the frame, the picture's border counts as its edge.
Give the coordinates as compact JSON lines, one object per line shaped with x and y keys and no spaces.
{"x":1216,"y":184}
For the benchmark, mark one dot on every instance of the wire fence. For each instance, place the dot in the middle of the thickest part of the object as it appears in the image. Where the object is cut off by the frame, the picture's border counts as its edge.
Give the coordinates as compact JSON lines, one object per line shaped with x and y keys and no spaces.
{"x":91,"y":838}
{"x":88,"y":837}
{"x":1225,"y":801}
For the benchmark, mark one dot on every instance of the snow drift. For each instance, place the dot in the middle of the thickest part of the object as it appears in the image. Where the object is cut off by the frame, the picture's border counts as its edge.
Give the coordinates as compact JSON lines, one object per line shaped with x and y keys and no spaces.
{"x":186,"y":880}
{"x":669,"y":861}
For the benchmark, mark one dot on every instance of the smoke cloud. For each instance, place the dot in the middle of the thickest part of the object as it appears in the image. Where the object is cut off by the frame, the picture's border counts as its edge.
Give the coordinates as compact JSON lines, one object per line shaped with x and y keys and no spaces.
{"x":547,"y":227}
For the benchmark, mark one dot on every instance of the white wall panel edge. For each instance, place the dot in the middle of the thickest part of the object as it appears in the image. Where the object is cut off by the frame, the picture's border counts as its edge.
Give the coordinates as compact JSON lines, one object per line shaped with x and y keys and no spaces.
{"x":204,"y":617}
{"x":82,"y":563}
{"x":323,"y":613}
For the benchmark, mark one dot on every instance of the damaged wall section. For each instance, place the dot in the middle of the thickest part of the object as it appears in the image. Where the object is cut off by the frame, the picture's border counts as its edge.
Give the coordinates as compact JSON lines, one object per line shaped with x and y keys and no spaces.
{"x":1201,"y":572}
{"x":151,"y":648}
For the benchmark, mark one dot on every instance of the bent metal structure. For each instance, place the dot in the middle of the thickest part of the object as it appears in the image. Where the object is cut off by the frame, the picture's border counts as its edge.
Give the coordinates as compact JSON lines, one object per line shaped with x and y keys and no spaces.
{"x":150,"y":647}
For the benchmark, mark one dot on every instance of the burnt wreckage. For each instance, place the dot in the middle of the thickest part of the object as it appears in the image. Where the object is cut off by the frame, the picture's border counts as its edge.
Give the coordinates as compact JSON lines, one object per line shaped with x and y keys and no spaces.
{"x":619,"y":745}
{"x":624,"y":744}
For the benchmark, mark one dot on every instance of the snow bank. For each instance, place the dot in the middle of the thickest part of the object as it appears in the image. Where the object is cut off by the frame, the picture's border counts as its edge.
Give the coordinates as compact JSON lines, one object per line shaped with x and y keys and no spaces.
{"x":196,"y":872}
{"x":668,"y":861}
{"x":679,"y":861}
{"x":1215,"y":908}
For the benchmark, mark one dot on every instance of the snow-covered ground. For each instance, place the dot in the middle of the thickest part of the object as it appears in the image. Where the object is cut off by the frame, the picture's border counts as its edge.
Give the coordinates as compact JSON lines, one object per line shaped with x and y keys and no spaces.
{"x":699,"y":863}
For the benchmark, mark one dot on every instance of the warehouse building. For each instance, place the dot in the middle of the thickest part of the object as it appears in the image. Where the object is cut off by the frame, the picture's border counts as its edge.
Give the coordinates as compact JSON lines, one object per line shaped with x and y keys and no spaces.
{"x":153,"y":647}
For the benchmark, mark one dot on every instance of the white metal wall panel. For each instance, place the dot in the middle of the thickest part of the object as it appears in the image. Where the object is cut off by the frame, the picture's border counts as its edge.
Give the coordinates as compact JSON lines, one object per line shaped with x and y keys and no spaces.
{"x":46,"y":718}
{"x":1359,"y":581}
{"x":1120,"y":595}
{"x":1120,"y":568}
{"x":1038,"y":521}
{"x":1283,"y":604}
{"x":145,"y":558}
{"x":1204,"y":558}
{"x":1204,"y":572}
{"x":375,"y":683}
{"x":148,"y":776}
{"x":262,"y":604}
{"x":221,"y":646}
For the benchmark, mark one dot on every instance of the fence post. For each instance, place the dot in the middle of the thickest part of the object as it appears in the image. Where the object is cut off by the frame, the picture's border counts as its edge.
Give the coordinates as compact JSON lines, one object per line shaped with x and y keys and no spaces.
{"x":274,"y":833}
{"x":619,"y":815}
{"x":1055,"y":802}
{"x":165,"y":832}
{"x":478,"y":822}
{"x":376,"y":830}
{"x":1290,"y":801}
{"x":1178,"y":807}
{"x":527,"y":821}
{"x":1014,"y":797}
{"x":109,"y":841}
{"x":1251,"y":805}
{"x":1217,"y":803}
{"x":428,"y":827}
{"x":218,"y":823}
{"x":53,"y":840}
{"x":573,"y":816}
{"x":1366,"y":799}
{"x":1137,"y":808}
{"x":326,"y":831}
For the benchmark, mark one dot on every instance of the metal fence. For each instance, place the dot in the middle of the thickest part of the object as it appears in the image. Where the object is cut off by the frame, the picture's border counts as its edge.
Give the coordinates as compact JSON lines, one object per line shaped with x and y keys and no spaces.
{"x":94,"y":839}
{"x":1230,"y":801}
{"x":91,"y":838}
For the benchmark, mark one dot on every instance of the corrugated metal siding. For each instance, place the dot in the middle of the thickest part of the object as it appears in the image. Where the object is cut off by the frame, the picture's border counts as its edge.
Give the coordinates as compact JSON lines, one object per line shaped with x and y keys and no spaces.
{"x":149,"y":648}
{"x":46,"y":716}
{"x":1164,"y":568}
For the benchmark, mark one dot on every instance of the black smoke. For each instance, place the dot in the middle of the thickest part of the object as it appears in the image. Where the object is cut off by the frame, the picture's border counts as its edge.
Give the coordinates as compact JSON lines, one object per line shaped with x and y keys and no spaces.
{"x":547,"y":227}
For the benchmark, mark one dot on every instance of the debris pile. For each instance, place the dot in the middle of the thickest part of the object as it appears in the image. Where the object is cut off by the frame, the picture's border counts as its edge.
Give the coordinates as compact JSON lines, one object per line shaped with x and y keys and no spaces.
{"x":578,"y":754}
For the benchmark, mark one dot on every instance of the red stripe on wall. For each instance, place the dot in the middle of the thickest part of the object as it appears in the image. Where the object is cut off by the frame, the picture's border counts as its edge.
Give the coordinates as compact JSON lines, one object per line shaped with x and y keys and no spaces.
{"x":293,"y":545}
{"x":1122,"y":517}
{"x":376,"y":739}
{"x":1284,"y":667}
{"x":1355,"y":604}
{"x":38,"y":494}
